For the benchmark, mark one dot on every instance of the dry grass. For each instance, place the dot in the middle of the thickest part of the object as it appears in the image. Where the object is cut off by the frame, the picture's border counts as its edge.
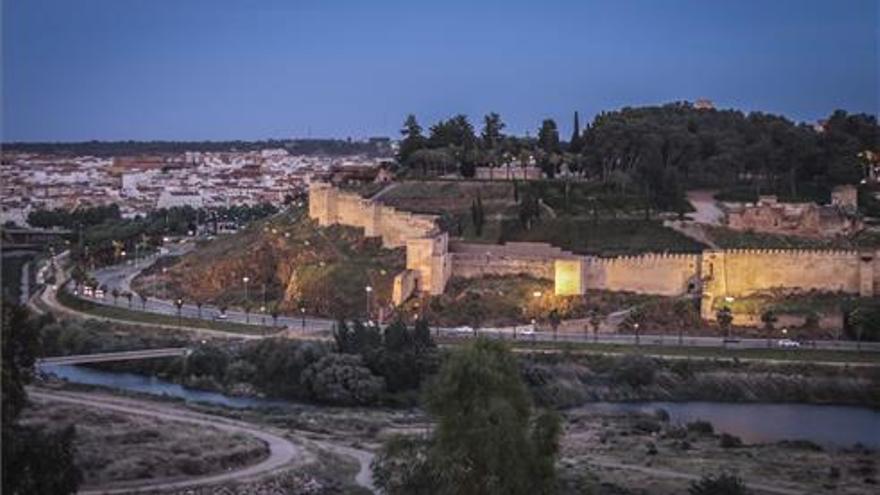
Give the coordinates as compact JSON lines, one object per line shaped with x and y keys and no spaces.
{"x":113,"y":447}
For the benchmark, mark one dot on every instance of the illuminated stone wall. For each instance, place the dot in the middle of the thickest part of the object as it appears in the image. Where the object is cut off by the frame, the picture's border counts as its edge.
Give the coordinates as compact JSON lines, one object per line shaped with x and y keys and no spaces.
{"x":742,"y":272}
{"x":431,"y":260}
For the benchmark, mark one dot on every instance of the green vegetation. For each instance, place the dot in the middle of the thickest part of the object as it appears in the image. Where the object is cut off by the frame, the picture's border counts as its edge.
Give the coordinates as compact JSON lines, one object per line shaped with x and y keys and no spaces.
{"x":603,"y":237}
{"x":659,"y":151}
{"x":35,"y":459}
{"x":486,"y":439}
{"x":731,"y":239}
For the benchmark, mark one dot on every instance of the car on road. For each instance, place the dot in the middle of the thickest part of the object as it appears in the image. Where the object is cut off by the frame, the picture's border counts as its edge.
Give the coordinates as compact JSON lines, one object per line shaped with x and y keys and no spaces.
{"x":788,"y":344}
{"x":464,"y":329}
{"x":222,"y":316}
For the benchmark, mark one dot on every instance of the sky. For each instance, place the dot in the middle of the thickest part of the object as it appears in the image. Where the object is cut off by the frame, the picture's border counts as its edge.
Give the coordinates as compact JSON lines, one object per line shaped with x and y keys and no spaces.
{"x":217,"y":69}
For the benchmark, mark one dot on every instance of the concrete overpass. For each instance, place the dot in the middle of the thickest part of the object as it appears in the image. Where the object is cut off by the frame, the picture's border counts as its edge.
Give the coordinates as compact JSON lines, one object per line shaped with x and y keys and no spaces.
{"x":107,"y":357}
{"x":19,"y":238}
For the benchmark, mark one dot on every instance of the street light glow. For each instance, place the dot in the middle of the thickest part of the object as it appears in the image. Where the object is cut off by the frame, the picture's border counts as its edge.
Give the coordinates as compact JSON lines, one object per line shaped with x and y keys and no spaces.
{"x":536,"y":294}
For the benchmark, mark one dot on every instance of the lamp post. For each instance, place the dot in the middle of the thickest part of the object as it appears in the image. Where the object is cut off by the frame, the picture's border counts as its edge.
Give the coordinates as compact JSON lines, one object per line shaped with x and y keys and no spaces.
{"x":245,"y":280}
{"x":369,"y":291}
{"x":636,"y":327}
{"x":302,"y":312}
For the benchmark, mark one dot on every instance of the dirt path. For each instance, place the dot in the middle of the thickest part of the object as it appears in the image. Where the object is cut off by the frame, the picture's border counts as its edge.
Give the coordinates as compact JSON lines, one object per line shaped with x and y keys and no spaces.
{"x":282,"y":452}
{"x":668,"y":473}
{"x":706,"y":206}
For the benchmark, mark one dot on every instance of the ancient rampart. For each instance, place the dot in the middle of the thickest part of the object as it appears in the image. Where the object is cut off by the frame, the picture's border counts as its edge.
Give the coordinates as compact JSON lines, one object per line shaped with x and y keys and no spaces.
{"x":431,"y":260}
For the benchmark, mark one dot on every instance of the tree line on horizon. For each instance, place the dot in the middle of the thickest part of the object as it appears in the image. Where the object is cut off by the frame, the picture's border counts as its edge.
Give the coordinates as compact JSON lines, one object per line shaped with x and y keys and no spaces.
{"x":659,"y":151}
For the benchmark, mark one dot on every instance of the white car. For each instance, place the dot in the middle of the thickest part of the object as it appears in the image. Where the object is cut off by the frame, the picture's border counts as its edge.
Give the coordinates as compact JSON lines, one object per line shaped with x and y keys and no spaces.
{"x":464,"y":329}
{"x":788,"y":344}
{"x":222,"y":316}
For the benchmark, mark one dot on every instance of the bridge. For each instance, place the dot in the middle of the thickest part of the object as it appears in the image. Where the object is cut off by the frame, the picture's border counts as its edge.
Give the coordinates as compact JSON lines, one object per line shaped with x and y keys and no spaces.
{"x":18,"y":238}
{"x":107,"y":357}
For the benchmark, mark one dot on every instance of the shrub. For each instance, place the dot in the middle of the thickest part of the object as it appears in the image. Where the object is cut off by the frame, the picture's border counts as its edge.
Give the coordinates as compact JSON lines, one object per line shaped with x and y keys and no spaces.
{"x":646,"y":425}
{"x":635,"y":371}
{"x":342,"y":379}
{"x":723,"y":484}
{"x":729,"y":441}
{"x":702,"y":427}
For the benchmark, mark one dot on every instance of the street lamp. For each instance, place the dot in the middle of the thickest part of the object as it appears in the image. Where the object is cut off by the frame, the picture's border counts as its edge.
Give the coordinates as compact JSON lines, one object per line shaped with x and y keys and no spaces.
{"x":302,"y":312}
{"x":245,"y":280}
{"x":636,"y":327}
{"x":369,"y":293}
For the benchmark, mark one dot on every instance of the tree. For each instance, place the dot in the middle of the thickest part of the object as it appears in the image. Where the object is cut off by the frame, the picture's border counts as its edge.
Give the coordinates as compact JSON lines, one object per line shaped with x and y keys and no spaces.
{"x":199,"y":304}
{"x":116,"y":295}
{"x":143,"y":301}
{"x":595,"y":321}
{"x":492,"y":127}
{"x":548,"y":137}
{"x":724,"y":316}
{"x":723,"y":484}
{"x":128,"y":295}
{"x":412,"y":139}
{"x":769,"y":319}
{"x":555,"y":319}
{"x":575,"y":144}
{"x":34,"y":460}
{"x":487,"y":440}
{"x":478,"y":216}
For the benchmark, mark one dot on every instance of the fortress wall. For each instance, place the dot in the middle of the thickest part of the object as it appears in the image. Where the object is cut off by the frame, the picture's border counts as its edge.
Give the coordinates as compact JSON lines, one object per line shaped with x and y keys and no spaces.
{"x":330,"y":206}
{"x":661,"y":274}
{"x":743,"y":272}
{"x":404,"y":285}
{"x":535,"y":259}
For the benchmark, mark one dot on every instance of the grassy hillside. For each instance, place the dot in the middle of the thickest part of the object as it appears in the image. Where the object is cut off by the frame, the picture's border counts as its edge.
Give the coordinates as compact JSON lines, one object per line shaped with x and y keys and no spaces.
{"x":324,"y":270}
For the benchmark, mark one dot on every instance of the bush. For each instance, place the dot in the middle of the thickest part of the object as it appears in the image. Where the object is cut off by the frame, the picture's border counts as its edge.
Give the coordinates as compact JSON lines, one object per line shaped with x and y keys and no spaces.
{"x":729,"y":441}
{"x":723,"y":484}
{"x":342,"y":379}
{"x":635,"y":371}
{"x":702,"y":427}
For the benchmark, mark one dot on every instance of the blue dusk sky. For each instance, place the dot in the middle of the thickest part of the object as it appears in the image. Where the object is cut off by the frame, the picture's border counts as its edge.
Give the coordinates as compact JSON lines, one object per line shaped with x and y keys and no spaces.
{"x":212,"y":69}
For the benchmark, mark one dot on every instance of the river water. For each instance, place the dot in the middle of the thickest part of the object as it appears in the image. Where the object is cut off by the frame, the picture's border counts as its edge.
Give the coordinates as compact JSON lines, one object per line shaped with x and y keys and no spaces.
{"x":834,"y":426}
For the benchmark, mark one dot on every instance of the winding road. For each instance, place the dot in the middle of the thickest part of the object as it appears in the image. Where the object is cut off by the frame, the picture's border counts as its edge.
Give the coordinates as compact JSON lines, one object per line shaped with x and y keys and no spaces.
{"x":283,"y":453}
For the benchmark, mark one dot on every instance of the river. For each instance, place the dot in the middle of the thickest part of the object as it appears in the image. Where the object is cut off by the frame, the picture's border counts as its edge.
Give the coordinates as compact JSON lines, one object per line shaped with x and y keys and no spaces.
{"x":830,"y":426}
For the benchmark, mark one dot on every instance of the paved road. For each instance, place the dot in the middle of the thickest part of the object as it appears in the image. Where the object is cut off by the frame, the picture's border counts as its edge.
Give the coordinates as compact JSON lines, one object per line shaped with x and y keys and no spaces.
{"x":282,"y":452}
{"x":120,"y":277}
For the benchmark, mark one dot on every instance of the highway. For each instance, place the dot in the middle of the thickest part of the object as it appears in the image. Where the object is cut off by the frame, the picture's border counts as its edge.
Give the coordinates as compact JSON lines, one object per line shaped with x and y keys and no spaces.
{"x":120,"y":277}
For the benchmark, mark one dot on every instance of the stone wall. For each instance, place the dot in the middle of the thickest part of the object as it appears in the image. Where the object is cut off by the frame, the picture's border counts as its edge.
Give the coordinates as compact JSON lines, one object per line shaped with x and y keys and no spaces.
{"x":535,"y":259}
{"x":508,"y":173}
{"x":661,"y":274}
{"x":431,"y":260}
{"x":330,"y":206}
{"x":741,"y":272}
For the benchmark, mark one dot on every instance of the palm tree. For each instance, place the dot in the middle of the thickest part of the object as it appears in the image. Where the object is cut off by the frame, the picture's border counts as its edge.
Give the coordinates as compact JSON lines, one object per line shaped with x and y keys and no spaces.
{"x":143,"y":302}
{"x":199,"y":304}
{"x":555,"y":319}
{"x":769,"y":319}
{"x":725,"y":319}
{"x":595,"y":321}
{"x":115,"y":294}
{"x":129,"y":296}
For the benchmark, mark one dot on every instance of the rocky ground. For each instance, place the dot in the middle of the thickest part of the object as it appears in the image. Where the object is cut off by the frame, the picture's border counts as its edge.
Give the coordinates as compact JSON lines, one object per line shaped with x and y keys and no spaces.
{"x":637,"y":454}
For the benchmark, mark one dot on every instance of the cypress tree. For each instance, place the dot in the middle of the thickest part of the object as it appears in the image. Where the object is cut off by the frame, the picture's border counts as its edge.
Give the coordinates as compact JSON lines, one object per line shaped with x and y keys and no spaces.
{"x":575,"y":144}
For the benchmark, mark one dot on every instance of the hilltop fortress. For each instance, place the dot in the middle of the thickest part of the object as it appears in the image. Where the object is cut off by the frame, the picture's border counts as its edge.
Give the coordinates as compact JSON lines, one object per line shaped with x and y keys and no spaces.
{"x":431,"y":260}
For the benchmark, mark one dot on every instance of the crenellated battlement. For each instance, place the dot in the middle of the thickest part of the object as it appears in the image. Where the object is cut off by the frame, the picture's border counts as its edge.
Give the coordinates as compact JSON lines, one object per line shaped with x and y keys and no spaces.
{"x":432,"y":259}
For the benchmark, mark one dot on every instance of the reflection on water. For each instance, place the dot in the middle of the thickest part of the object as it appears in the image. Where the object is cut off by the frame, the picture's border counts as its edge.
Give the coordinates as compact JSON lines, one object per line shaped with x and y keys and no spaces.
{"x":155,"y":386}
{"x":753,"y":423}
{"x":841,"y":426}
